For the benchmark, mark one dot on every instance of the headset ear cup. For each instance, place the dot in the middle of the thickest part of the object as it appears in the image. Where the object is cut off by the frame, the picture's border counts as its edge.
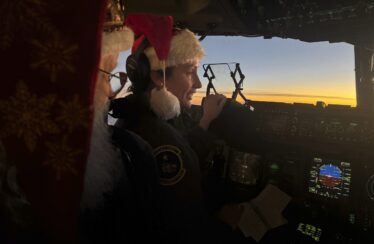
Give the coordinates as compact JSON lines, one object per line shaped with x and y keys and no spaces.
{"x":138,"y":70}
{"x":143,"y":69}
{"x":131,"y":67}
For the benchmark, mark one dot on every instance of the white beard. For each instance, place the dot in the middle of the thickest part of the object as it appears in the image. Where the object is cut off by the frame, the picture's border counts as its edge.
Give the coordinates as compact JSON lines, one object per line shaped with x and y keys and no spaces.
{"x":164,"y":104}
{"x":104,"y":166}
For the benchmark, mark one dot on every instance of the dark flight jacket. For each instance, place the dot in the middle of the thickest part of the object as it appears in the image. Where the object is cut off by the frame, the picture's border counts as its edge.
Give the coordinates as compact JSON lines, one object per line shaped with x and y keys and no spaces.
{"x":130,"y":210}
{"x":179,"y":169}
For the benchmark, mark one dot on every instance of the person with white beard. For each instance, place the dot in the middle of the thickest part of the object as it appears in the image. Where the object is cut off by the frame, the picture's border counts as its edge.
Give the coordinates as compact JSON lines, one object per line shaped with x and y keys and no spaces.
{"x":119,"y":198}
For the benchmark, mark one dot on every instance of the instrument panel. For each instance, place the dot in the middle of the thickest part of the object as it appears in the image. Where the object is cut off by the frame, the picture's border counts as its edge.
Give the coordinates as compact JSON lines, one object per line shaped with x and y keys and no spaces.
{"x":330,"y":178}
{"x":340,"y":125}
{"x":322,"y":157}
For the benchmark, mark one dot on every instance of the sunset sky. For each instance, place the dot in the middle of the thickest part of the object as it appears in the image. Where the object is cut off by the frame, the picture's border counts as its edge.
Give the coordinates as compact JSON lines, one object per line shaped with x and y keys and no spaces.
{"x":281,"y":70}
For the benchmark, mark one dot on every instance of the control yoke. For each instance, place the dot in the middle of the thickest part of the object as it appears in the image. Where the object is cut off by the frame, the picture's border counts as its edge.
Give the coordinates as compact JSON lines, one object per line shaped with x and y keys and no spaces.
{"x":209,"y":74}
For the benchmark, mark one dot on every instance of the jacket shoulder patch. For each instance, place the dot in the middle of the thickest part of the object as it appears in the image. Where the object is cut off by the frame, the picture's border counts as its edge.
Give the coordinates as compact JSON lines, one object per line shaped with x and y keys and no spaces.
{"x":170,"y":164}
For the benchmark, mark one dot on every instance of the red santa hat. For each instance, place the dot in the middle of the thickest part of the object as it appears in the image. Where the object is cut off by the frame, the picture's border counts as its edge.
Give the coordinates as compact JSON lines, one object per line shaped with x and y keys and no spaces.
{"x":168,"y":47}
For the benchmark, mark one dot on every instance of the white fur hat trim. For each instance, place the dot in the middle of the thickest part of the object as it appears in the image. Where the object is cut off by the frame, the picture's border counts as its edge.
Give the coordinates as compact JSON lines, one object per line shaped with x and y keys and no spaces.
{"x":184,"y":48}
{"x":117,"y":41}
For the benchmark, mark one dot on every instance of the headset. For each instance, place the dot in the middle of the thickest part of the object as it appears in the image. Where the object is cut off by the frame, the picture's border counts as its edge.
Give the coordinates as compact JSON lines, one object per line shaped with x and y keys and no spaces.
{"x":138,"y":67}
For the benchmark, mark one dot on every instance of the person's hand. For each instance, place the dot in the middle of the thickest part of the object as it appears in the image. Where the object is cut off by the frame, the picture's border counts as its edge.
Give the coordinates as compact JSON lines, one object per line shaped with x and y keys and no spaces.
{"x":230,"y":214}
{"x":212,"y":107}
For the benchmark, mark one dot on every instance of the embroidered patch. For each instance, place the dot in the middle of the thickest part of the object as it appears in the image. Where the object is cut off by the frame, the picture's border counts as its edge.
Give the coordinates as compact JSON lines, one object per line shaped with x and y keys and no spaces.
{"x":170,"y":164}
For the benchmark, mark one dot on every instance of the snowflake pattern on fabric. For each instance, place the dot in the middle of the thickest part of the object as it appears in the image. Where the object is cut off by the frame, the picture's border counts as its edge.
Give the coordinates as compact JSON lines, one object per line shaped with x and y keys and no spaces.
{"x":27,"y":116}
{"x":54,"y":56}
{"x":31,"y":115}
{"x":25,"y":16}
{"x":73,"y":114}
{"x":61,"y":157}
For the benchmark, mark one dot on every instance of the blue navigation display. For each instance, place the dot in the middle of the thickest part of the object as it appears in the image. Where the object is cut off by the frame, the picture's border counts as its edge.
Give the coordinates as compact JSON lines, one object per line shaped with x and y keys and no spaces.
{"x":330,"y":178}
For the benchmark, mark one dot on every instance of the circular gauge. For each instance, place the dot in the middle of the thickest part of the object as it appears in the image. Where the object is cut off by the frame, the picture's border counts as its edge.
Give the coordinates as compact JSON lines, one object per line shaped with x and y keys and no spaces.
{"x":370,"y":187}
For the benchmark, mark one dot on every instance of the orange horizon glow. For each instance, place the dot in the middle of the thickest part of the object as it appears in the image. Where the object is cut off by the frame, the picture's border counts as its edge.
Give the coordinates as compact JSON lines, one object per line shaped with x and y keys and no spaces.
{"x":286,"y":98}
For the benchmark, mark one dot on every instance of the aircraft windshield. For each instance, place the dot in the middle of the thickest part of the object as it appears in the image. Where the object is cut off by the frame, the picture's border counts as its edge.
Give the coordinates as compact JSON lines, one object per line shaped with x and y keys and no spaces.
{"x":279,"y":70}
{"x":284,"y":70}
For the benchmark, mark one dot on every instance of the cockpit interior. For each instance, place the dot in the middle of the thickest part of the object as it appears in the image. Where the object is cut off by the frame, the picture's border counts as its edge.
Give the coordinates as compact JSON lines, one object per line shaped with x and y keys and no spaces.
{"x":320,"y":155}
{"x":304,"y":171}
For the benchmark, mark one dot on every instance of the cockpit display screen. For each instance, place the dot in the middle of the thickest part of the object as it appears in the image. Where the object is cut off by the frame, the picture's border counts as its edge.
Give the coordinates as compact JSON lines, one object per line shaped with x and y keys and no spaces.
{"x":329,"y":178}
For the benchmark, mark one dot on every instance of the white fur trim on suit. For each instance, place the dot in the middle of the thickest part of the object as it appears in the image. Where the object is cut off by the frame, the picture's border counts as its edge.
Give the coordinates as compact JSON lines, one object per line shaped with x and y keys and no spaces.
{"x":184,"y":48}
{"x":164,"y":104}
{"x":117,"y":41}
{"x":104,"y":166}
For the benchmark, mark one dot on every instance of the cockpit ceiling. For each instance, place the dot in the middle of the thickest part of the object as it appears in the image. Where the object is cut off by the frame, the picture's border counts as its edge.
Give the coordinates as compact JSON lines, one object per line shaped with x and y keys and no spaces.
{"x":349,"y":21}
